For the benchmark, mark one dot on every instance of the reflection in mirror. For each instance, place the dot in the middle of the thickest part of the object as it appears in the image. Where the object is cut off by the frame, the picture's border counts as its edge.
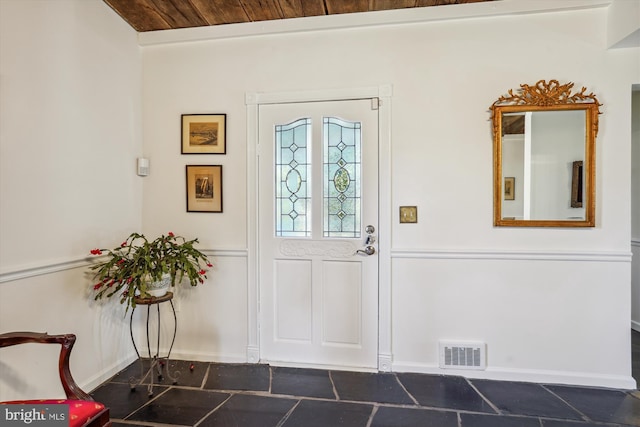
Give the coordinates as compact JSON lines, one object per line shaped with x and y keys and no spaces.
{"x":540,"y":160}
{"x":544,"y":161}
{"x":577,"y":185}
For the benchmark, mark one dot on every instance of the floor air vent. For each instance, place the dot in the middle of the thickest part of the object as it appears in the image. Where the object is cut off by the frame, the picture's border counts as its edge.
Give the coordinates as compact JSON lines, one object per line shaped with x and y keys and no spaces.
{"x":462,"y":355}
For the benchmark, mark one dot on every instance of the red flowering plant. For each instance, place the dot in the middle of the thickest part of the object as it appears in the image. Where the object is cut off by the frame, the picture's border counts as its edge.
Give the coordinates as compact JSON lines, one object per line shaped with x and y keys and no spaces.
{"x":128,"y":269}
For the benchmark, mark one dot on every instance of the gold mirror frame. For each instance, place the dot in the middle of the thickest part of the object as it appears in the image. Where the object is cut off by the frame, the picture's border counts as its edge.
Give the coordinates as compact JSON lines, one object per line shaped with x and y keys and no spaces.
{"x":551,"y":96}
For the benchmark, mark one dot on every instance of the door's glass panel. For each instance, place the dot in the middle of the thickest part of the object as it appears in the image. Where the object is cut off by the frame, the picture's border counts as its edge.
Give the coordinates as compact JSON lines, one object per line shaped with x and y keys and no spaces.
{"x":341,"y":177}
{"x":293,"y":179}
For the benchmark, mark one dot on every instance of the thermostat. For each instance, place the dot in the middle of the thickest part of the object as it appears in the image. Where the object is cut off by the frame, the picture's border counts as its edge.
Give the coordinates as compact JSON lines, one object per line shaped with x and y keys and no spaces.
{"x":143,"y":166}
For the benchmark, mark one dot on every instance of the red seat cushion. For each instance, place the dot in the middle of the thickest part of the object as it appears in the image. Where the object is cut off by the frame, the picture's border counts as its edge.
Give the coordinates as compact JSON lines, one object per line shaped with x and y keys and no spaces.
{"x":80,"y":411}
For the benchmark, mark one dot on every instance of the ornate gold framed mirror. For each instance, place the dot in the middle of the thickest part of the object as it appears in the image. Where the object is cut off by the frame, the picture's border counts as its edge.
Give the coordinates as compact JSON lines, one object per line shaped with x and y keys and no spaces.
{"x":544,"y":156}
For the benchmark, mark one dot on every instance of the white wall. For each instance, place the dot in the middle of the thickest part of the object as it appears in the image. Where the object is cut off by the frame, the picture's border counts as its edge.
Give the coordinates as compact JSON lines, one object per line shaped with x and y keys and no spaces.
{"x":635,"y":207}
{"x":552,"y":304}
{"x":623,"y":29}
{"x":70,"y":102}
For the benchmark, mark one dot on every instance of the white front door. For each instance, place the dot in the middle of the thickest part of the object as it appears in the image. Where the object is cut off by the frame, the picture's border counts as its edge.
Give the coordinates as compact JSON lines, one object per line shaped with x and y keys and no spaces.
{"x":318,"y":205}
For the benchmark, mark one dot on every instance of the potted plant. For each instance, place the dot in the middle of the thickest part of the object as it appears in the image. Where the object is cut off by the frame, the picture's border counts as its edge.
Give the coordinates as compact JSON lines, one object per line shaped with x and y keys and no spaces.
{"x":132,"y":269}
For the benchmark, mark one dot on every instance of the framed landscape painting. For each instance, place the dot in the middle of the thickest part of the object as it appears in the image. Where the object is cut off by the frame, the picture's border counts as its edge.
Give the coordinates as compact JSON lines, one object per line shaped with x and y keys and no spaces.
{"x":204,"y":134}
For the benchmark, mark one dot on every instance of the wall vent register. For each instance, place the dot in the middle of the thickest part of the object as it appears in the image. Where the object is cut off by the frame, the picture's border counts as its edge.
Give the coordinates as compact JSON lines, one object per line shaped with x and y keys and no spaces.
{"x":462,"y":355}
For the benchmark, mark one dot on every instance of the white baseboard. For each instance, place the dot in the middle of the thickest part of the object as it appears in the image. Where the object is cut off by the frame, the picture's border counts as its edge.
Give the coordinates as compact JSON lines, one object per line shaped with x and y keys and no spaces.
{"x":527,"y":375}
{"x":208,"y":357}
{"x":287,"y":364}
{"x":96,"y":380}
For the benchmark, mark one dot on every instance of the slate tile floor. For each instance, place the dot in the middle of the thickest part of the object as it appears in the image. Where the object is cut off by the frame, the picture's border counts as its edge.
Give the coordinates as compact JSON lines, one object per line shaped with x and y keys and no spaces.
{"x":238,"y":395}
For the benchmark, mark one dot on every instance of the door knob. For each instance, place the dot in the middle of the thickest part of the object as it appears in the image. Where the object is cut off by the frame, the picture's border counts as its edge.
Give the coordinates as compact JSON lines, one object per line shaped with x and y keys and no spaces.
{"x":369,"y":250}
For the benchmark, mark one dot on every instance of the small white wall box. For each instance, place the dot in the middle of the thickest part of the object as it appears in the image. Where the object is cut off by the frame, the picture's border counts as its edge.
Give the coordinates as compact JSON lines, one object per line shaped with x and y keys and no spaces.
{"x":143,"y":166}
{"x":462,"y":355}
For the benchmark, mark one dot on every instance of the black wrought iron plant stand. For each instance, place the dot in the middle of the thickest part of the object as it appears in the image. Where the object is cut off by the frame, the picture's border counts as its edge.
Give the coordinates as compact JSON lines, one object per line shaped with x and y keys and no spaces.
{"x":158,"y":364}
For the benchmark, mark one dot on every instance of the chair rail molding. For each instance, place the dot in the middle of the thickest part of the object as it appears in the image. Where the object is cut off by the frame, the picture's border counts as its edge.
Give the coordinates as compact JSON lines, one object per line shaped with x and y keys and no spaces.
{"x":612,"y":256}
{"x":25,"y":271}
{"x":38,"y":269}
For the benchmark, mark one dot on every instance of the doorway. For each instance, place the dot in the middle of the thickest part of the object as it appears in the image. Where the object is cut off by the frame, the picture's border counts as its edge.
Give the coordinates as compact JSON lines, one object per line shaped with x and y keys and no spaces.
{"x":318,"y":215}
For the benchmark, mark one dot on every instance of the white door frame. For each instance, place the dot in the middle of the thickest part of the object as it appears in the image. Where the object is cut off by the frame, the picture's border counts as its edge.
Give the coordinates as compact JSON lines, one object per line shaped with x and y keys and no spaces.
{"x":253,"y":101}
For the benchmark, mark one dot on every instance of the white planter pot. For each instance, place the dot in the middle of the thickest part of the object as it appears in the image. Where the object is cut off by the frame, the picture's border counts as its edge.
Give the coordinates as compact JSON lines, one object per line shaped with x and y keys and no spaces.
{"x":160,"y":287}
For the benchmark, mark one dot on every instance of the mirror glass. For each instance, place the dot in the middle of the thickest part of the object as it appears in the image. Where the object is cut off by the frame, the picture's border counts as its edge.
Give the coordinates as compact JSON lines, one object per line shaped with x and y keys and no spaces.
{"x":544,"y":161}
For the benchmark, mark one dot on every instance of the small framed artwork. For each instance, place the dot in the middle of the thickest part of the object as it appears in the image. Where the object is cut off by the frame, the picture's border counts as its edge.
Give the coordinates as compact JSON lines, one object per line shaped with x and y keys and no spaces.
{"x":204,"y":134}
{"x":509,"y":188}
{"x":576,"y":185}
{"x":204,"y":188}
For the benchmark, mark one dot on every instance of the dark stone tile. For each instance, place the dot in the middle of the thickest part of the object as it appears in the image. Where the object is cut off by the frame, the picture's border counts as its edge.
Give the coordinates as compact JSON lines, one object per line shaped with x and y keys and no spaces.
{"x":521,"y":403}
{"x":238,"y":377}
{"x":566,"y":423}
{"x":185,"y":376}
{"x":316,"y":413}
{"x":163,"y":372}
{"x":166,"y":373}
{"x":525,"y":399}
{"x":179,"y":406}
{"x":249,"y":411}
{"x":481,"y":420}
{"x":370,"y":387}
{"x":133,"y":372}
{"x":409,"y":417}
{"x":120,"y":399}
{"x":439,"y":391}
{"x":302,"y":382}
{"x":611,"y":406}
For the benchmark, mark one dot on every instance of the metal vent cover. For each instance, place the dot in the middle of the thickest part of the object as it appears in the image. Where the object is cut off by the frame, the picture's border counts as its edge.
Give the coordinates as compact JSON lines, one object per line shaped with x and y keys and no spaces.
{"x":462,"y":355}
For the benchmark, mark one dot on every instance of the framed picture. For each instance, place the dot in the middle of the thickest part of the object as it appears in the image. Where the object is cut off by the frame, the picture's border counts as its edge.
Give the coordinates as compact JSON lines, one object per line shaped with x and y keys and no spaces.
{"x":204,"y":134}
{"x":204,"y":188}
{"x":576,"y":185}
{"x":509,"y":188}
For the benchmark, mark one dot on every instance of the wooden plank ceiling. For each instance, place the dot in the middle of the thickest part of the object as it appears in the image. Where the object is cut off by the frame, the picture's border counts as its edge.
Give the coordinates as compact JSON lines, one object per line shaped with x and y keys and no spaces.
{"x":151,"y":15}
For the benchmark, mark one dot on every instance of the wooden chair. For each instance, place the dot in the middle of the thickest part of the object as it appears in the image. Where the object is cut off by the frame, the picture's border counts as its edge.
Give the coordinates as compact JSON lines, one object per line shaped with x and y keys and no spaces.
{"x":83,"y":410}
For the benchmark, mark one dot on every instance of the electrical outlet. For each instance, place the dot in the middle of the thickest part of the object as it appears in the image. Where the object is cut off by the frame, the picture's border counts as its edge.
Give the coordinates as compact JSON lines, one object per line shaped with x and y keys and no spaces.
{"x":408,"y":214}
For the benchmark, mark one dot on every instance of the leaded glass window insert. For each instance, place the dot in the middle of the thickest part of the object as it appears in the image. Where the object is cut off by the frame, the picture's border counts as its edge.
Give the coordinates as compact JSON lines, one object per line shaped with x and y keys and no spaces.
{"x":341,"y":180}
{"x":293,"y":179}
